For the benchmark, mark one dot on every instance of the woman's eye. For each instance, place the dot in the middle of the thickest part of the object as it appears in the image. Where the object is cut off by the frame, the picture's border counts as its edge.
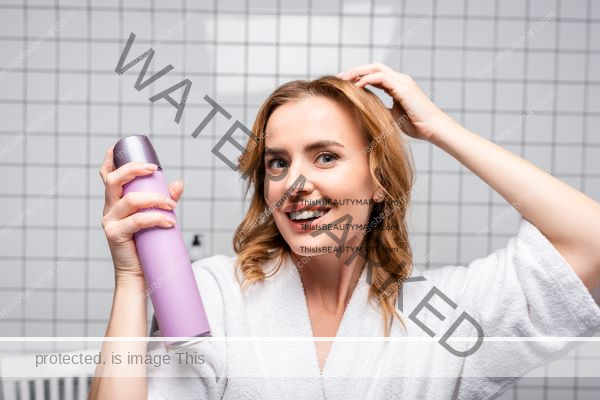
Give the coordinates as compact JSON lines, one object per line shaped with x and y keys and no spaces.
{"x":327,"y":158}
{"x":276,"y":164}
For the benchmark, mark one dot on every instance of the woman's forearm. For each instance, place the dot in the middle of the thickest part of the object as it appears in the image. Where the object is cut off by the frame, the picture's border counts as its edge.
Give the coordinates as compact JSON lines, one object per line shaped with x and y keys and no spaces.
{"x":566,"y":216}
{"x":127,"y":319}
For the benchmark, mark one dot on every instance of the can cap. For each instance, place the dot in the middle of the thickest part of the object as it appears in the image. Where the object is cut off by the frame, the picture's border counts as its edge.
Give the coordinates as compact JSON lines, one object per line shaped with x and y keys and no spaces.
{"x":134,"y":148}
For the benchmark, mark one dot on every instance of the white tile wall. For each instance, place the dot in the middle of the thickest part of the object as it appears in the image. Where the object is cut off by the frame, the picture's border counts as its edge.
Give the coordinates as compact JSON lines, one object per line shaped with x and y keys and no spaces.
{"x":312,"y":38}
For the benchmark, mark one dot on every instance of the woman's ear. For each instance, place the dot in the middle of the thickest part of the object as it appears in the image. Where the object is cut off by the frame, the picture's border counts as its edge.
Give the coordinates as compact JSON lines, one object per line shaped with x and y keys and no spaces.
{"x":377,"y":196}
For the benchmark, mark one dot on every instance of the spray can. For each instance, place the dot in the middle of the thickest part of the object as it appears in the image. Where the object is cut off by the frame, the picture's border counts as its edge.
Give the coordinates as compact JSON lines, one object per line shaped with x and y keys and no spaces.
{"x":167,"y":268}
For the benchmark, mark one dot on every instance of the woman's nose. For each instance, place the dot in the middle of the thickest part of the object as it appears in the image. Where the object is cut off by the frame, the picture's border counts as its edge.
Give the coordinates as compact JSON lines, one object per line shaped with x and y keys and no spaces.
{"x":299,"y":180}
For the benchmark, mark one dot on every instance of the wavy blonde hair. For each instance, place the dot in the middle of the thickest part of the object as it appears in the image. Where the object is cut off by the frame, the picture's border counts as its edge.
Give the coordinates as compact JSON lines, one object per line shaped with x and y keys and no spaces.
{"x":257,"y":239}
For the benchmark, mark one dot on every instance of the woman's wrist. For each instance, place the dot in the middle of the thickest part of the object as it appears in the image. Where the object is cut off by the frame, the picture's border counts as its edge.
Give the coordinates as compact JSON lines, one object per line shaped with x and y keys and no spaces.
{"x":128,"y":315}
{"x":130,"y":281}
{"x":445,"y":128}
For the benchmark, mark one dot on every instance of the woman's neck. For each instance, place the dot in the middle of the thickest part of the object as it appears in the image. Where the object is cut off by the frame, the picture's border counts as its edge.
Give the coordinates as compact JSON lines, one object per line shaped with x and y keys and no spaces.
{"x":328,"y":281}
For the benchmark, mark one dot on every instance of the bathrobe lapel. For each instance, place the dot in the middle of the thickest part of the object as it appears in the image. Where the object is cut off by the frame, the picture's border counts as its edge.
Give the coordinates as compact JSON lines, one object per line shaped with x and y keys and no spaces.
{"x":284,"y":313}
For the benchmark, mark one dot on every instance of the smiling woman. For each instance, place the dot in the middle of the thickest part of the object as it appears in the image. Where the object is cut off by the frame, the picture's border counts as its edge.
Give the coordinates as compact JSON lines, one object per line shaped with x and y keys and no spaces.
{"x":317,"y":129}
{"x":308,"y":167}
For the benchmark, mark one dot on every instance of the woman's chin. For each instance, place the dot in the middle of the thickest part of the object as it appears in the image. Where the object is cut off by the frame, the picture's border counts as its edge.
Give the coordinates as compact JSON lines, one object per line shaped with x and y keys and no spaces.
{"x":304,"y":248}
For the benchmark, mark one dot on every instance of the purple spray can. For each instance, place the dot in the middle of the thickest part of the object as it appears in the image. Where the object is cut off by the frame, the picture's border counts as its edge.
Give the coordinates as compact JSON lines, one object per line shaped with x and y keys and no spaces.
{"x":162,"y":252}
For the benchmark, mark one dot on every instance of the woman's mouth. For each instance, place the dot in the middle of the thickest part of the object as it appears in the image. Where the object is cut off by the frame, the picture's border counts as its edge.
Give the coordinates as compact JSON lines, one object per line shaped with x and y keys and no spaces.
{"x":306,"y":219}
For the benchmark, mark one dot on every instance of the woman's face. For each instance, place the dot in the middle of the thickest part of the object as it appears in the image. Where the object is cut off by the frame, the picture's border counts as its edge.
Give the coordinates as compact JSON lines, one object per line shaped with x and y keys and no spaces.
{"x":319,"y":139}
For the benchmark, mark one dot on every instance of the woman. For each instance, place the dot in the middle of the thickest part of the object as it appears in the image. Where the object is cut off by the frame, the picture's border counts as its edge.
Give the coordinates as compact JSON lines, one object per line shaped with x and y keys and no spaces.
{"x":323,"y":251}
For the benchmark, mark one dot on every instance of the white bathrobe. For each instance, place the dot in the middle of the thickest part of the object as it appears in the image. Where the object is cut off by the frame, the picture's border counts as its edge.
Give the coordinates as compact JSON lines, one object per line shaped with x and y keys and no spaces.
{"x":526,"y":289}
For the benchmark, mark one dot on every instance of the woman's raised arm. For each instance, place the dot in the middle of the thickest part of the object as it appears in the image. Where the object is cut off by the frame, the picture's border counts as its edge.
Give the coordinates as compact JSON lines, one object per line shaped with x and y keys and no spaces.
{"x":567,"y":217}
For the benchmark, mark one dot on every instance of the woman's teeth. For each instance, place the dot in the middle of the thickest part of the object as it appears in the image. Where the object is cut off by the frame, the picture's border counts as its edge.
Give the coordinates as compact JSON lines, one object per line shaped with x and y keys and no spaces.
{"x":303,"y":215}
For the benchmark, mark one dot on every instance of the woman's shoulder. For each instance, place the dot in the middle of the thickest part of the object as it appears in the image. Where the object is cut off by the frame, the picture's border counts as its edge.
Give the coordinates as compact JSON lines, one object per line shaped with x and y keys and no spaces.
{"x":219,"y":276}
{"x":217,"y":269}
{"x":219,"y":263}
{"x":223,"y":268}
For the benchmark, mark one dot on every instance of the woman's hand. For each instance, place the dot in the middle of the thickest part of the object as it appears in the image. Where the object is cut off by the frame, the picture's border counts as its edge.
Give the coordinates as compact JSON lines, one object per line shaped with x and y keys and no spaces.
{"x":121,"y":219}
{"x":416,"y":114}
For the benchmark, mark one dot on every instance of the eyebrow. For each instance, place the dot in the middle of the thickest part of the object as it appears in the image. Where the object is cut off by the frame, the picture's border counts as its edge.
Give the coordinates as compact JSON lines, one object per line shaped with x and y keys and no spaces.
{"x":309,"y":147}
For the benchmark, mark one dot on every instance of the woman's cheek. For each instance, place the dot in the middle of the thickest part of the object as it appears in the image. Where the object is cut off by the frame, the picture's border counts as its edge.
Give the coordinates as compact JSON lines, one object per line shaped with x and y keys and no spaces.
{"x":273,"y":192}
{"x":360,"y":215}
{"x":338,"y":186}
